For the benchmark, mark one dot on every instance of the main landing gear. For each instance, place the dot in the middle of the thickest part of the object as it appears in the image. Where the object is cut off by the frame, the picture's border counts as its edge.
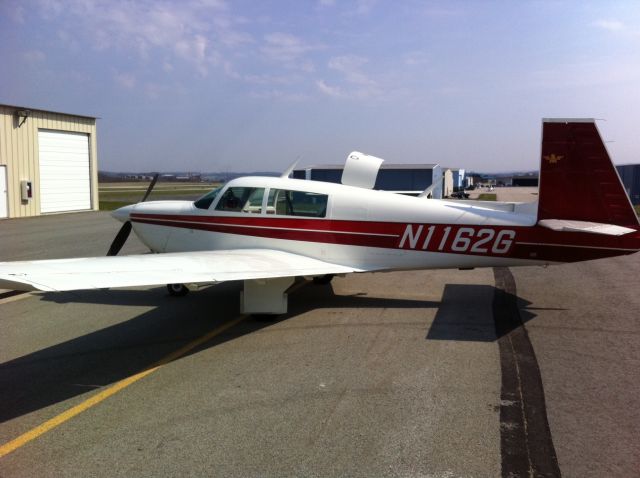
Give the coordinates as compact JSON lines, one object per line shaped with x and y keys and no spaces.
{"x":177,"y":290}
{"x":259,"y":297}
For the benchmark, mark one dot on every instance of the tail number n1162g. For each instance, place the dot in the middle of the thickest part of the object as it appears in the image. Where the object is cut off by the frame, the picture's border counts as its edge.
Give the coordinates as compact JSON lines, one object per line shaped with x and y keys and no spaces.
{"x":460,"y":240}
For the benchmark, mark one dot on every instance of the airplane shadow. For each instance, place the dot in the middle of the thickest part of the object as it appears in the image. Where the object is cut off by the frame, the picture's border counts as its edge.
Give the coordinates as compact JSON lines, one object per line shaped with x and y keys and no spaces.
{"x":462,"y":317}
{"x":68,"y":369}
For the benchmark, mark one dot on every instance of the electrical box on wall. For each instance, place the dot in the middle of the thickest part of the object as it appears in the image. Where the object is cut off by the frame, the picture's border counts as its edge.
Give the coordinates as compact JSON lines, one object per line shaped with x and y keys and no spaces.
{"x":26,"y":190}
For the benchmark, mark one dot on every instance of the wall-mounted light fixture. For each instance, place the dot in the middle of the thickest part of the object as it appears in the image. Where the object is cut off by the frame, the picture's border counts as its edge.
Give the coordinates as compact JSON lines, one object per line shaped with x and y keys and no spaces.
{"x":22,"y":116}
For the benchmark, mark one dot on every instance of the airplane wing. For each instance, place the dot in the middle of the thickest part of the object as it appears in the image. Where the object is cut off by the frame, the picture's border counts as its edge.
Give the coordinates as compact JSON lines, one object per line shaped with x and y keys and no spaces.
{"x":160,"y":269}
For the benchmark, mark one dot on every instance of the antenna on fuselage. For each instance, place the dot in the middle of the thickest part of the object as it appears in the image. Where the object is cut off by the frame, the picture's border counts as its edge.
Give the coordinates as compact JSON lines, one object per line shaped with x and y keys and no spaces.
{"x":428,"y":193}
{"x":290,"y":169}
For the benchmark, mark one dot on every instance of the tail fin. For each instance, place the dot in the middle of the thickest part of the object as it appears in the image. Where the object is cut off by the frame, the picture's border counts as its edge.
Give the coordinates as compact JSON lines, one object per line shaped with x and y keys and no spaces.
{"x":577,"y":178}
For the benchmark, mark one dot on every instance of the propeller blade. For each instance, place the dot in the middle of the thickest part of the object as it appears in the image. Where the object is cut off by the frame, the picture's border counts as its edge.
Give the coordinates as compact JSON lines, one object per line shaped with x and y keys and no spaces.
{"x":125,"y":230}
{"x":150,"y":188}
{"x":120,"y":239}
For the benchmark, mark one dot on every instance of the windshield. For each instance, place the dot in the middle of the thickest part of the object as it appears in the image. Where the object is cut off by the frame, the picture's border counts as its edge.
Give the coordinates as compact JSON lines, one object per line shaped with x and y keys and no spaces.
{"x":205,"y":201}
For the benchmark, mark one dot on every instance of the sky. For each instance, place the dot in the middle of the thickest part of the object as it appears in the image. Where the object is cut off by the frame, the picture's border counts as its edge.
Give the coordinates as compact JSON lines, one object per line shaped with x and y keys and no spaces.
{"x":222,"y":85}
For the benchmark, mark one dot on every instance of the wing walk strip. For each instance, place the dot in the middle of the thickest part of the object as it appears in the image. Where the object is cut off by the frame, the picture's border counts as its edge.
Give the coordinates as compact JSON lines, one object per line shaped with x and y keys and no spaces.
{"x":34,"y":433}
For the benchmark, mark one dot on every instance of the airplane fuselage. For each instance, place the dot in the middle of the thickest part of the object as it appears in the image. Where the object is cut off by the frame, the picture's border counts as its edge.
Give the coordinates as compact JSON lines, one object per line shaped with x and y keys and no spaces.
{"x":373,"y":230}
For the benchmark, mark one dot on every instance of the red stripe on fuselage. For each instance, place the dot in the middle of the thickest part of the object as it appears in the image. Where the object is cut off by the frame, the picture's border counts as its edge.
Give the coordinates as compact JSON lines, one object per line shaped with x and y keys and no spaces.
{"x":535,"y":243}
{"x":323,"y":231}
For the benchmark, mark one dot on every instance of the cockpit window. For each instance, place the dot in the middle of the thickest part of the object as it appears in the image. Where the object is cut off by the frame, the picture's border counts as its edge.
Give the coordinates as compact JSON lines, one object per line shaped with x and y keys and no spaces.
{"x":240,"y":199}
{"x":205,"y":201}
{"x":296,"y":203}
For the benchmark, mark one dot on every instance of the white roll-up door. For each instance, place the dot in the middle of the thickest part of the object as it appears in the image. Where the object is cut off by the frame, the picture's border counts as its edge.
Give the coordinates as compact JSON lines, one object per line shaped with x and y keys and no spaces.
{"x":65,"y":179}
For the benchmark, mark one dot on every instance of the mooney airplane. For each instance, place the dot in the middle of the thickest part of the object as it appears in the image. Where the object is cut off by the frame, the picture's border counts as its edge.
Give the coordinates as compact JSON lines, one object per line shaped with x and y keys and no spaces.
{"x":268,"y":231}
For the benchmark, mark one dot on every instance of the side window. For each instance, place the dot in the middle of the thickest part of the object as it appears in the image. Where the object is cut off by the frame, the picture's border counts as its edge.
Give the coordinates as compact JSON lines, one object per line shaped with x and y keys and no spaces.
{"x":254,"y":202}
{"x":296,"y":203}
{"x":238,"y":199}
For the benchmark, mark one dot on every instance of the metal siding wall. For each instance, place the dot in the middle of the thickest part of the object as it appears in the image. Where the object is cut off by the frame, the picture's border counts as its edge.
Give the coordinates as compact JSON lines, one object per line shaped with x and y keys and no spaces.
{"x":19,"y":152}
{"x":630,"y":176}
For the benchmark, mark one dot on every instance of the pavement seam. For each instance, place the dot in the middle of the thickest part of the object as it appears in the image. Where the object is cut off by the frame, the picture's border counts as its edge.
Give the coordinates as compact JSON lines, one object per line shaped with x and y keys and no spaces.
{"x":526,"y":444}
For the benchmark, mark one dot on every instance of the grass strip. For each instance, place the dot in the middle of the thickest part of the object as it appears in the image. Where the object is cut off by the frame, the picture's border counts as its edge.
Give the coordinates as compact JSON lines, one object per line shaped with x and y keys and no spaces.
{"x":487,"y":197}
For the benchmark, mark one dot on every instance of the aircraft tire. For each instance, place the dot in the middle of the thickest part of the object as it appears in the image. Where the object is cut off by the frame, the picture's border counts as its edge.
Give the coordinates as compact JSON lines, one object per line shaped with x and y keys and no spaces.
{"x":177,"y":290}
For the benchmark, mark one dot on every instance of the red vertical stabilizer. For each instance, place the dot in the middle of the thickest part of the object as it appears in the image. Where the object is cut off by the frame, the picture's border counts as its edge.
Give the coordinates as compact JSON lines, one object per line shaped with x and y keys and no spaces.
{"x":577,"y":178}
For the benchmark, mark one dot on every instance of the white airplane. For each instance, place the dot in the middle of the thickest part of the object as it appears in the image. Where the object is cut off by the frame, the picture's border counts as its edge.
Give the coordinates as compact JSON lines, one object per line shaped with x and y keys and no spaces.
{"x":268,"y":231}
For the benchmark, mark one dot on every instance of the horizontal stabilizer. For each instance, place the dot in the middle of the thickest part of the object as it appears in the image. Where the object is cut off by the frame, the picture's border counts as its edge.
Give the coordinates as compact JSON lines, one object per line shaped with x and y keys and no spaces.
{"x":582,"y":226}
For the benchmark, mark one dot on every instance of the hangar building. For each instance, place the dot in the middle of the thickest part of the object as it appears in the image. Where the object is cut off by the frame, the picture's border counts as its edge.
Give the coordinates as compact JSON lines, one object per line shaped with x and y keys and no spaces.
{"x":630,"y":175}
{"x":409,"y":179}
{"x":525,"y":181}
{"x":48,"y":162}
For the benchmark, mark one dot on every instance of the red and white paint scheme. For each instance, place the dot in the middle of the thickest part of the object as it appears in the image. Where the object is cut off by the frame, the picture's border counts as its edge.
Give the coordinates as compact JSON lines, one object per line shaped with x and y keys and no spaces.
{"x":267,"y":231}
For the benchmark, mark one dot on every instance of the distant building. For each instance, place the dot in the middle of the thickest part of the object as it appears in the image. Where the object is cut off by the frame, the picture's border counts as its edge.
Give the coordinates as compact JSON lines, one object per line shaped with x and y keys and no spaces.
{"x":630,"y":175}
{"x":447,"y":183}
{"x":476,"y":179}
{"x":525,"y":181}
{"x":458,"y":179}
{"x":48,"y":162}
{"x":409,"y":179}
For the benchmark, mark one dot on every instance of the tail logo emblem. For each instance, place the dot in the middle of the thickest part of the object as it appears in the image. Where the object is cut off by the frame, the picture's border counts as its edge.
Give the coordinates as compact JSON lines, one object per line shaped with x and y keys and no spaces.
{"x":552,"y":158}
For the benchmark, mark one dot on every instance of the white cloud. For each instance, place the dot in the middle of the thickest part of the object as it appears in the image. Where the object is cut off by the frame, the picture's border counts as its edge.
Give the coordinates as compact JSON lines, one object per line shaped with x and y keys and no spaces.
{"x":125,"y":80}
{"x":154,"y":90}
{"x":442,"y":11}
{"x":328,"y":90}
{"x":415,"y":58}
{"x":194,"y":31}
{"x":354,"y":83}
{"x":610,"y":25}
{"x":361,"y":8}
{"x":264,"y":79}
{"x":33,"y":56}
{"x":228,"y":34}
{"x":13,"y":10}
{"x":279,"y":95}
{"x":284,"y":47}
{"x":587,"y":74}
{"x":194,"y":50}
{"x":350,"y":66}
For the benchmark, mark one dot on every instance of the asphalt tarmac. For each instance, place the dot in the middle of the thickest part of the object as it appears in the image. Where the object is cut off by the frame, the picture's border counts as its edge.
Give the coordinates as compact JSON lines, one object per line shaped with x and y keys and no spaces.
{"x":507,"y":372}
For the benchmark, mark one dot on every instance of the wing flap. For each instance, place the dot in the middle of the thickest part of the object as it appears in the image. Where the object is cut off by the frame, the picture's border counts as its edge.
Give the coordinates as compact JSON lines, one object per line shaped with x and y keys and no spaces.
{"x":160,"y":269}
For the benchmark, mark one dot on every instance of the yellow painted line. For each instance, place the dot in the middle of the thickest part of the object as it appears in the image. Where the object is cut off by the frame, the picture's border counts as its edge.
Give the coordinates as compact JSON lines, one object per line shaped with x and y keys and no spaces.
{"x":112,"y":390}
{"x":13,"y":298}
